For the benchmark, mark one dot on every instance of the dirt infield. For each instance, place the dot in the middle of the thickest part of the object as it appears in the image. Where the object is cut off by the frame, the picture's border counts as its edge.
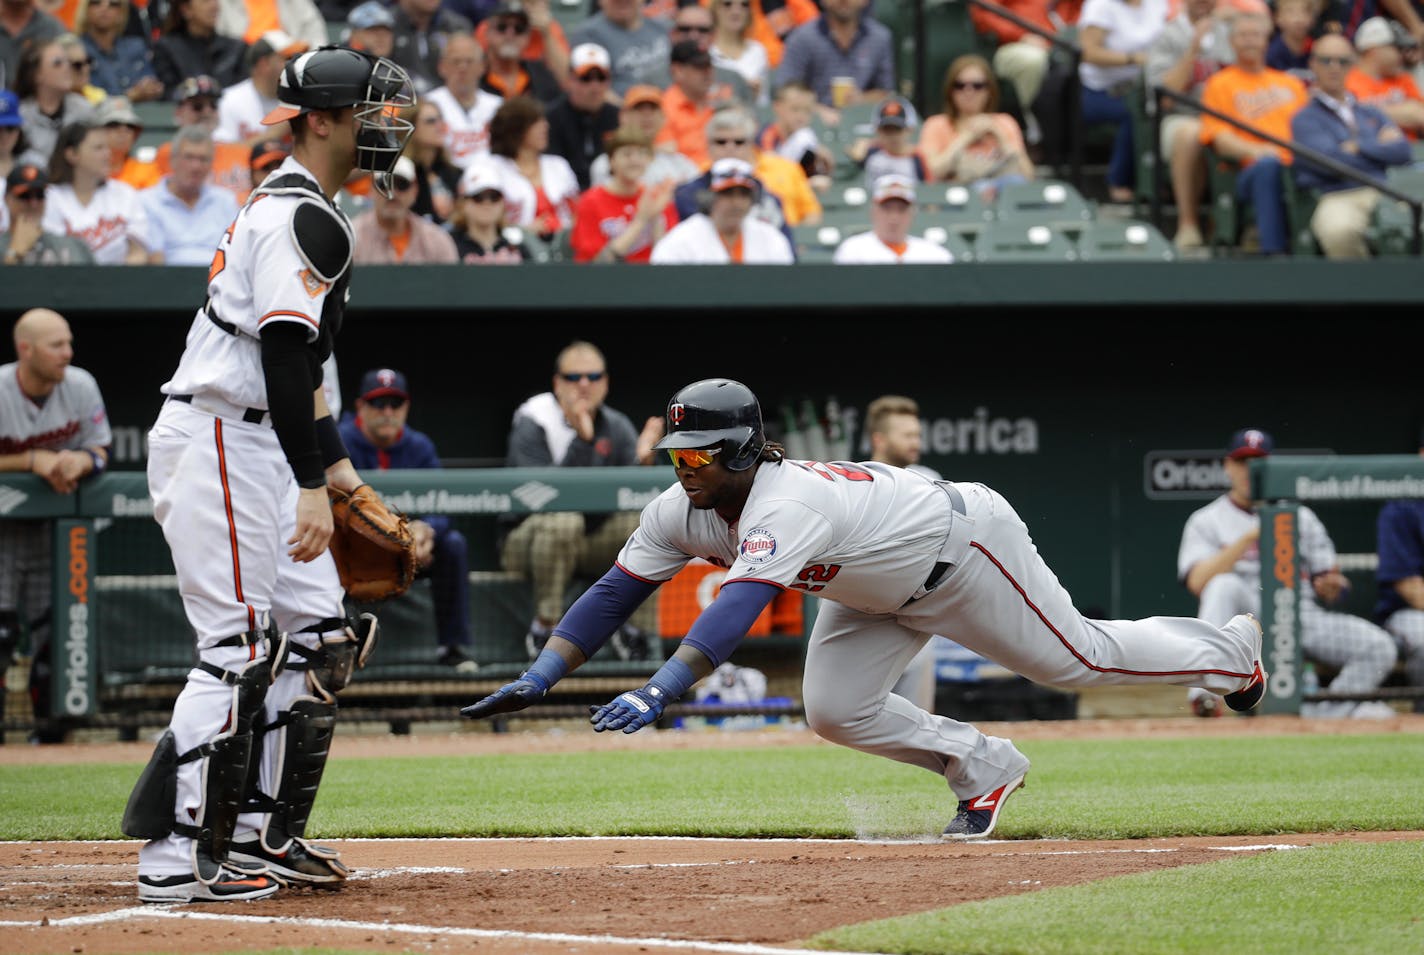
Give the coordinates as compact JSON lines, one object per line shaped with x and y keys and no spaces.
{"x":587,"y":895}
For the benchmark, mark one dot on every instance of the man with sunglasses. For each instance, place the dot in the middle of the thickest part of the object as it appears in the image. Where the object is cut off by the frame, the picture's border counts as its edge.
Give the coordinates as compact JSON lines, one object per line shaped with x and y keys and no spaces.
{"x":197,"y":105}
{"x":1361,"y":136}
{"x":379,"y":439}
{"x":508,"y":72}
{"x":893,"y":557}
{"x":731,"y":134}
{"x":390,"y":233}
{"x":23,"y":241}
{"x":581,"y":120}
{"x":572,"y":426}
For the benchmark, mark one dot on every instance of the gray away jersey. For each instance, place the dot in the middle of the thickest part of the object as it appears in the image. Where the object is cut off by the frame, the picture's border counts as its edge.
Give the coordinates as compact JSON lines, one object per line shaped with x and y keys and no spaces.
{"x":73,"y":416}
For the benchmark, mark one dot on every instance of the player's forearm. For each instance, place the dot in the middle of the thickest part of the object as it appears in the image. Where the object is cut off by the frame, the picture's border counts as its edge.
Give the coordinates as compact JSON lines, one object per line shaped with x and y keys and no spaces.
{"x":21,"y":461}
{"x":1204,"y":570}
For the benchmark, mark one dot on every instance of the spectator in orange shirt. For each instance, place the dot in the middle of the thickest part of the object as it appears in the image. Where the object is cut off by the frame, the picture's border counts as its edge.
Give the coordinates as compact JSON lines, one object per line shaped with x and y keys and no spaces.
{"x":197,"y":105}
{"x":544,"y":41}
{"x":773,"y":20}
{"x":1379,"y":78}
{"x":124,"y":127}
{"x":687,"y":102}
{"x":1267,"y":99}
{"x":622,"y":219}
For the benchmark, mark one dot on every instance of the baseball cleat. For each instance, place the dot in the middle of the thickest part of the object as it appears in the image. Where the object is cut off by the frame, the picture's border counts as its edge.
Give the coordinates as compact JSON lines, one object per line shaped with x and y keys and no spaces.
{"x":230,"y":887}
{"x":977,"y":816}
{"x":1250,"y":695}
{"x":300,"y":863}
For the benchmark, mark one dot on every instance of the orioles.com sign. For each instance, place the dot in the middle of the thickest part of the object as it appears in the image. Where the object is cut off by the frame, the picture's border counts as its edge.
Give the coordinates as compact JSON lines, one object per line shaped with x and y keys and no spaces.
{"x":72,"y":645}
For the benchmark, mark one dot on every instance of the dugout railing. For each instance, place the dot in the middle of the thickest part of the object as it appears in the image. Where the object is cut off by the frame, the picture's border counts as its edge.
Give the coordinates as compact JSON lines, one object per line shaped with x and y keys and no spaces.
{"x":123,"y":648}
{"x":1281,"y":484}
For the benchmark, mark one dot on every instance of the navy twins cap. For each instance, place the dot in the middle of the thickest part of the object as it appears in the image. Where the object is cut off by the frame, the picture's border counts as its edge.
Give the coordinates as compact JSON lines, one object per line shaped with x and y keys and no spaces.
{"x":379,"y":382}
{"x":1249,"y":443}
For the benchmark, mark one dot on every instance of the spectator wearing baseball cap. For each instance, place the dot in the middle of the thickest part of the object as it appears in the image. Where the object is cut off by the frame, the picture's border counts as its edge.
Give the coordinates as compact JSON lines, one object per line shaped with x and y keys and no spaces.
{"x":726,"y":233}
{"x":478,"y":221}
{"x":196,"y":104}
{"x":299,"y":21}
{"x":891,"y":150}
{"x":687,"y":102}
{"x":508,"y":72}
{"x":889,"y":242}
{"x":1249,"y":443}
{"x":23,"y":238}
{"x":265,"y":157}
{"x":378,"y":437}
{"x":190,"y":45}
{"x":544,"y":40}
{"x":12,"y":130}
{"x":582,"y":118}
{"x":637,"y":46}
{"x":243,"y":107}
{"x":642,"y":110}
{"x":1380,"y":78}
{"x":118,"y":117}
{"x":390,"y":233}
{"x":621,"y":220}
{"x":370,"y":28}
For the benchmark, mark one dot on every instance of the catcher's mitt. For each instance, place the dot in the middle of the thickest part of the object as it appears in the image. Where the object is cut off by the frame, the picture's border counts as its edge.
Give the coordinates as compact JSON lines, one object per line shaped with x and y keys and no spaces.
{"x":372,"y":545}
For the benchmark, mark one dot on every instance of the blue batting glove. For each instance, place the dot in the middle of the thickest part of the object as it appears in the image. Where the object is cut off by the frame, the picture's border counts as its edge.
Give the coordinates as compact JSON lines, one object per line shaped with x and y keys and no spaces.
{"x":510,"y":698}
{"x":629,"y":711}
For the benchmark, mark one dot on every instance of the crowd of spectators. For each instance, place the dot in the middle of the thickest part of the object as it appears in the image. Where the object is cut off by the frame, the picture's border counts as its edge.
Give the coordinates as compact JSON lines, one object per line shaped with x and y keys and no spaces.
{"x":520,"y":112}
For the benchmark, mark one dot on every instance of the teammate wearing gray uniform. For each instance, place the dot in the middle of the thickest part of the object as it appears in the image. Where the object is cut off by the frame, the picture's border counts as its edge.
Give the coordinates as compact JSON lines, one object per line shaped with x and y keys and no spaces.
{"x":239,"y":462}
{"x":52,"y":424}
{"x":896,"y":557}
{"x":1219,"y":561}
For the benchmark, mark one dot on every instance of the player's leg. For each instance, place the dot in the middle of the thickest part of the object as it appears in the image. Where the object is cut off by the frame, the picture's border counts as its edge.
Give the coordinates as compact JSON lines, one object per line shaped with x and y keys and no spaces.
{"x":1362,"y":653}
{"x":852,"y":661}
{"x":218,"y":522}
{"x":450,"y":590}
{"x":1004,"y":603}
{"x":1407,"y":626}
{"x":299,"y":718}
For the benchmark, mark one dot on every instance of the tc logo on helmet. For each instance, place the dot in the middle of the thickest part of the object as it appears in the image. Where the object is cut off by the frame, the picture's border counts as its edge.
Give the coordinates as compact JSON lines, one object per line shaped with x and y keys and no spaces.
{"x":677,"y":414}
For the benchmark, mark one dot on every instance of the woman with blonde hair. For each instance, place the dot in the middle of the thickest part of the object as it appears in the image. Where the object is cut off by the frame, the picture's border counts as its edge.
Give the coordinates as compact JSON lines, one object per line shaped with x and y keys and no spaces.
{"x":734,"y":49}
{"x":971,"y":142}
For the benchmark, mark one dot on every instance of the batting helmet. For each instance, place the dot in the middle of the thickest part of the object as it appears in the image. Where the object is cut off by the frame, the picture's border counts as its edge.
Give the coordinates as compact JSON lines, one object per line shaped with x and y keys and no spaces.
{"x":716,"y":412}
{"x":335,"y":77}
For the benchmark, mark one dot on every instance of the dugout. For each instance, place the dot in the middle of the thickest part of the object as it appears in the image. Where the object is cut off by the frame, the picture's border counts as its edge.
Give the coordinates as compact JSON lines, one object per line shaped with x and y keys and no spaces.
{"x":1097,"y":397}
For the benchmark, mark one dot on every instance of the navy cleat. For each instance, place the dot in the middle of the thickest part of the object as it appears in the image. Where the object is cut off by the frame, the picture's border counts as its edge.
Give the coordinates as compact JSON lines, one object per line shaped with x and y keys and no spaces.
{"x":977,"y":816}
{"x":1249,"y":696}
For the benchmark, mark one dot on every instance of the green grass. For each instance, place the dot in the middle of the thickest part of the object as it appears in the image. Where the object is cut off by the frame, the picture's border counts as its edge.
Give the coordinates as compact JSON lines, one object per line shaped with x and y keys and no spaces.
{"x":1336,"y":899}
{"x":1076,"y":790}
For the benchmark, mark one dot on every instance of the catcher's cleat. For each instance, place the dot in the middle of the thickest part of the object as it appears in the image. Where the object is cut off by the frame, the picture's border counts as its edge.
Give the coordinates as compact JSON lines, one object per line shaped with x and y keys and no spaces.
{"x":1250,"y":695}
{"x":301,"y":864}
{"x":977,"y":816}
{"x":230,"y":886}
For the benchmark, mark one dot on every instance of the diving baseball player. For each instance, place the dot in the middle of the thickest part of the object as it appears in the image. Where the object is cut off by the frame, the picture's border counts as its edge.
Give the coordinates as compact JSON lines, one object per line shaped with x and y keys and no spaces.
{"x":1220,"y":563}
{"x":896,"y":557}
{"x":239,"y":461}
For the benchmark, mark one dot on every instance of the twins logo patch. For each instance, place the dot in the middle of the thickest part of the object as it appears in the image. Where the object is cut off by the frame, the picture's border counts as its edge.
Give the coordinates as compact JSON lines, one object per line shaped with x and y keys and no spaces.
{"x":759,"y":546}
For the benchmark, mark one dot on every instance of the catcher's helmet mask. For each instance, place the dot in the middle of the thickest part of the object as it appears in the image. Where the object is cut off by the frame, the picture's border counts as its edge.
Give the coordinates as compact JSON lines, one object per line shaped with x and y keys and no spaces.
{"x":335,"y":77}
{"x":716,"y":413}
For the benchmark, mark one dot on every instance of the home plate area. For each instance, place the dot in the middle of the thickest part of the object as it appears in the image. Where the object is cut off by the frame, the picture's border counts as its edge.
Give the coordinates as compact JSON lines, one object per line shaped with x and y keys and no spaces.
{"x":567,"y":895}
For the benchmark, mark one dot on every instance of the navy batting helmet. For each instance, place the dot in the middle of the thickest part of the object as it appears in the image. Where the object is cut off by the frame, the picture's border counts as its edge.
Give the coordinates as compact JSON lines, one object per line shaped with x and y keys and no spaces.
{"x":716,"y":412}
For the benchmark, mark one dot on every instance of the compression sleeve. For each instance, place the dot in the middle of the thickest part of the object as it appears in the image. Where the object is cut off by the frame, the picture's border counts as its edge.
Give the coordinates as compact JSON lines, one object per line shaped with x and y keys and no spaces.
{"x":287,"y":369}
{"x":601,"y":609}
{"x":722,"y":625}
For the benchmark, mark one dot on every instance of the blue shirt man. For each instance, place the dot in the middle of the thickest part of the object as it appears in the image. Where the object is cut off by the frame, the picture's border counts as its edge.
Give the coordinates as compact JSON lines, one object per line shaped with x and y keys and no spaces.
{"x":377,"y":439}
{"x":845,"y":47}
{"x":186,"y":230}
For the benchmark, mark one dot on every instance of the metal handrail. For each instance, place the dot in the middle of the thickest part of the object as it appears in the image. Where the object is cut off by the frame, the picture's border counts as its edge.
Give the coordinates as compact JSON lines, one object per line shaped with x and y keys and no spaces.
{"x":1161,"y":93}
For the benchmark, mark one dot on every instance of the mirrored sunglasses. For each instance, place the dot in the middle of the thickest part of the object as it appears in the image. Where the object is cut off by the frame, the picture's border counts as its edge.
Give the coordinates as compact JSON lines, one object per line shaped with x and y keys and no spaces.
{"x":693,"y":457}
{"x":574,"y":377}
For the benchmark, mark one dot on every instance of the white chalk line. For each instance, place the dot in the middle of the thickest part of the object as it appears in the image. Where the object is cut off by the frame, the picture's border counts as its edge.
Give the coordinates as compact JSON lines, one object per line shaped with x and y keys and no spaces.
{"x":167,"y":912}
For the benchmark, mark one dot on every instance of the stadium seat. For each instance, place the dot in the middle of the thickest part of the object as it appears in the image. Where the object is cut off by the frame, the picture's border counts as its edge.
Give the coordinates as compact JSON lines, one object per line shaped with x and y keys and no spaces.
{"x":846,"y":195}
{"x":818,"y":243}
{"x":1023,"y":242}
{"x":1052,"y":202}
{"x":1124,"y":241}
{"x":1393,"y":220}
{"x":952,"y":206}
{"x":959,"y":245}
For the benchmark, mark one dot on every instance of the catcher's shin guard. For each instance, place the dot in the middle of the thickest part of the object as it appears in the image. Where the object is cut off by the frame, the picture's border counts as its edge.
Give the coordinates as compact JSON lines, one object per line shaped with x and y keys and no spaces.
{"x":152,"y":810}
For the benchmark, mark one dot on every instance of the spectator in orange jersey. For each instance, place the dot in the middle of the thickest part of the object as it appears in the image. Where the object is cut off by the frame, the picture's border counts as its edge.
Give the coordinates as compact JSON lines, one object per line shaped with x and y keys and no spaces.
{"x":1379,"y":78}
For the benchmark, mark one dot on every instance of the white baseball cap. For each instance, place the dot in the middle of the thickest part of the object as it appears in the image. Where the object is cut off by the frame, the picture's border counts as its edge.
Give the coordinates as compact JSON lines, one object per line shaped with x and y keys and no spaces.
{"x":589,"y":56}
{"x":481,"y":177}
{"x":732,"y":173}
{"x":894,"y":186}
{"x":1374,"y":32}
{"x":404,"y":169}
